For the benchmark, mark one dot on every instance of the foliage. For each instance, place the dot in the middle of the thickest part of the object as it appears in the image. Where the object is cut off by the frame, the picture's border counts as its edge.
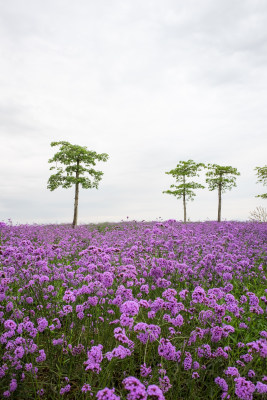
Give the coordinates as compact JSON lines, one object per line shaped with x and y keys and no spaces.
{"x":187,"y":189}
{"x":258,"y":215}
{"x":184,"y":170}
{"x":262,"y":178}
{"x":221,"y":176}
{"x":76,"y":160}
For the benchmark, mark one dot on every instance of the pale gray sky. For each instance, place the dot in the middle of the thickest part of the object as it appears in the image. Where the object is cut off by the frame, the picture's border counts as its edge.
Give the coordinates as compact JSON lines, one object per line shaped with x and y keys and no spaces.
{"x":150,"y":82}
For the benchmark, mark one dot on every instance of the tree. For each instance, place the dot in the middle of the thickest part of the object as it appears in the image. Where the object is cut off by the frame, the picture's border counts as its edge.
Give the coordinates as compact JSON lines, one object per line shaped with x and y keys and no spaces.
{"x":258,"y":215}
{"x":183,"y":171}
{"x":221,"y":178}
{"x":262,"y":178}
{"x":77,"y":162}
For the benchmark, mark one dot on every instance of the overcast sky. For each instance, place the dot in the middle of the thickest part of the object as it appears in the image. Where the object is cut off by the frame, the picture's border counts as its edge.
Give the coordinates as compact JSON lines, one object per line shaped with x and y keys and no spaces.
{"x":150,"y":82}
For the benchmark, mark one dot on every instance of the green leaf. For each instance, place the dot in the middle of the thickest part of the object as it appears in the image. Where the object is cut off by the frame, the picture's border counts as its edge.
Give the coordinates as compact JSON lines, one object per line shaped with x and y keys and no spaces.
{"x":73,"y":164}
{"x":223,"y":177}
{"x":261,"y":173}
{"x":183,"y":171}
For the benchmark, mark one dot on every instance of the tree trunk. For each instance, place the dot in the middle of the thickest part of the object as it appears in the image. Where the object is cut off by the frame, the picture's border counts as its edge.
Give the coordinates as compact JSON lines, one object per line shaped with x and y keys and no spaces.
{"x":219,"y":202}
{"x":184,"y":203}
{"x":75,"y":216}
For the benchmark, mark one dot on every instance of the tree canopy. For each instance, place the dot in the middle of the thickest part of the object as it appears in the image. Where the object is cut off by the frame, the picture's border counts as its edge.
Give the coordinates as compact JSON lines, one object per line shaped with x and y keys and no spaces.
{"x":221,"y":178}
{"x":72,"y":163}
{"x":261,"y":173}
{"x":184,"y":170}
{"x":185,"y":190}
{"x":76,"y":159}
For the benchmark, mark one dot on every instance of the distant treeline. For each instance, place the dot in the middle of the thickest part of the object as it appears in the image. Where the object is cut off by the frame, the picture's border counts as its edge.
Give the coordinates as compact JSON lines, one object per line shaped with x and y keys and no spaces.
{"x":74,"y":163}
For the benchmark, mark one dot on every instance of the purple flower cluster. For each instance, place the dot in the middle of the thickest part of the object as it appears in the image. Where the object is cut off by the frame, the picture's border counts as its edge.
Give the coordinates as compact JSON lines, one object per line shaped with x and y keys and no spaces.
{"x":244,"y":389}
{"x":94,"y":358}
{"x":167,"y":350}
{"x":151,"y":332}
{"x":129,"y":308}
{"x":137,"y":390}
{"x":107,"y":394}
{"x":121,"y":307}
{"x":118,"y":352}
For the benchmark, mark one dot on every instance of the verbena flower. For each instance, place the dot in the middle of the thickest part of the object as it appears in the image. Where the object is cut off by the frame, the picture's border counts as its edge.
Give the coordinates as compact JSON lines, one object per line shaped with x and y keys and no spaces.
{"x":65,"y":389}
{"x":135,"y":387}
{"x":95,"y":357}
{"x":165,"y":384}
{"x":155,"y":392}
{"x":107,"y":394}
{"x":222,"y":383}
{"x":129,"y":308}
{"x":232,"y":371}
{"x":167,"y":350}
{"x":144,"y":370}
{"x":244,"y":389}
{"x":261,"y":387}
{"x":118,"y":352}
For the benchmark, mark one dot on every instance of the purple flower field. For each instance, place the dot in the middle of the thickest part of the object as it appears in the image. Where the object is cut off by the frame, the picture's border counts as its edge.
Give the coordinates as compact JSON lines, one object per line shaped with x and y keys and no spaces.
{"x":133,"y":311}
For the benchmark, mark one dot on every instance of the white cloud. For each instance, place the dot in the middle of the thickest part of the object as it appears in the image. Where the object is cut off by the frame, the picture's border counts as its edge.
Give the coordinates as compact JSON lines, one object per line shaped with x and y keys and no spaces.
{"x":150,"y":83}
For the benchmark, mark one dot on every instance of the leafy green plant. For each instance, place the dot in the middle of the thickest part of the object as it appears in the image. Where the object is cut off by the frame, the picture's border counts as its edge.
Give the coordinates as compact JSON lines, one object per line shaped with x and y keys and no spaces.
{"x":77,"y":162}
{"x":221,"y":178}
{"x":185,"y":189}
{"x":262,"y":178}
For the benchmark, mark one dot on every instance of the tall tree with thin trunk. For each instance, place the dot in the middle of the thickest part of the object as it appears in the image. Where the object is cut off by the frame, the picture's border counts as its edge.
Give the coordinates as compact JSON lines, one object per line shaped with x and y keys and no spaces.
{"x":185,"y":190}
{"x":77,"y":162}
{"x":221,"y":178}
{"x":261,"y":173}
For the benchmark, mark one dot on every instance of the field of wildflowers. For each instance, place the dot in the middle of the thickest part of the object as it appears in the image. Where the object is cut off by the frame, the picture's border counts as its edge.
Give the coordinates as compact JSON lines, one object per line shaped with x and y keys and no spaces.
{"x":136,"y":311}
